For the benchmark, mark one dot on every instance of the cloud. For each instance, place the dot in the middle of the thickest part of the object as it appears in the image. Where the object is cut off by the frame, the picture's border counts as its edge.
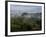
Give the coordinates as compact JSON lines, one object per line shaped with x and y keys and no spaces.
{"x":19,"y":9}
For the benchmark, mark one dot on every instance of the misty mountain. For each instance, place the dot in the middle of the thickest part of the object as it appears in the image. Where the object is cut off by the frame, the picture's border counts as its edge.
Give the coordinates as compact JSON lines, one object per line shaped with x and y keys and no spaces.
{"x":28,"y":15}
{"x":33,"y":15}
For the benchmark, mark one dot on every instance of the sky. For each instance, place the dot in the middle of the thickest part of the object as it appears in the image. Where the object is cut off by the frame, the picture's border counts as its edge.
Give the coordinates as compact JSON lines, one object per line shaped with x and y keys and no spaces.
{"x":19,"y":9}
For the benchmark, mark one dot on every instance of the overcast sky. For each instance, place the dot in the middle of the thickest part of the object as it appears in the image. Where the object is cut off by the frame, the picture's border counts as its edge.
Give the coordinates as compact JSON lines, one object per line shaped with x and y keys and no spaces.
{"x":19,"y":9}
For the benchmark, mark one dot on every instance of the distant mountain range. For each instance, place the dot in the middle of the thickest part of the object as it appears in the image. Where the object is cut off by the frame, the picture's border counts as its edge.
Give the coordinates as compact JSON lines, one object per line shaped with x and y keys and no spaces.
{"x":33,"y":15}
{"x":29,"y":15}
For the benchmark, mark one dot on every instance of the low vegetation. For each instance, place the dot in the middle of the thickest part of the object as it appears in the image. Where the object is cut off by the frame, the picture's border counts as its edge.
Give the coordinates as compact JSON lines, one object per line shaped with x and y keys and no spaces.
{"x":25,"y":24}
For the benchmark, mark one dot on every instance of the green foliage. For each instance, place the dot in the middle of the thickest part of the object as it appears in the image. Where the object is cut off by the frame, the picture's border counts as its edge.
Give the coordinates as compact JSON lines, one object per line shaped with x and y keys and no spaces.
{"x":25,"y":24}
